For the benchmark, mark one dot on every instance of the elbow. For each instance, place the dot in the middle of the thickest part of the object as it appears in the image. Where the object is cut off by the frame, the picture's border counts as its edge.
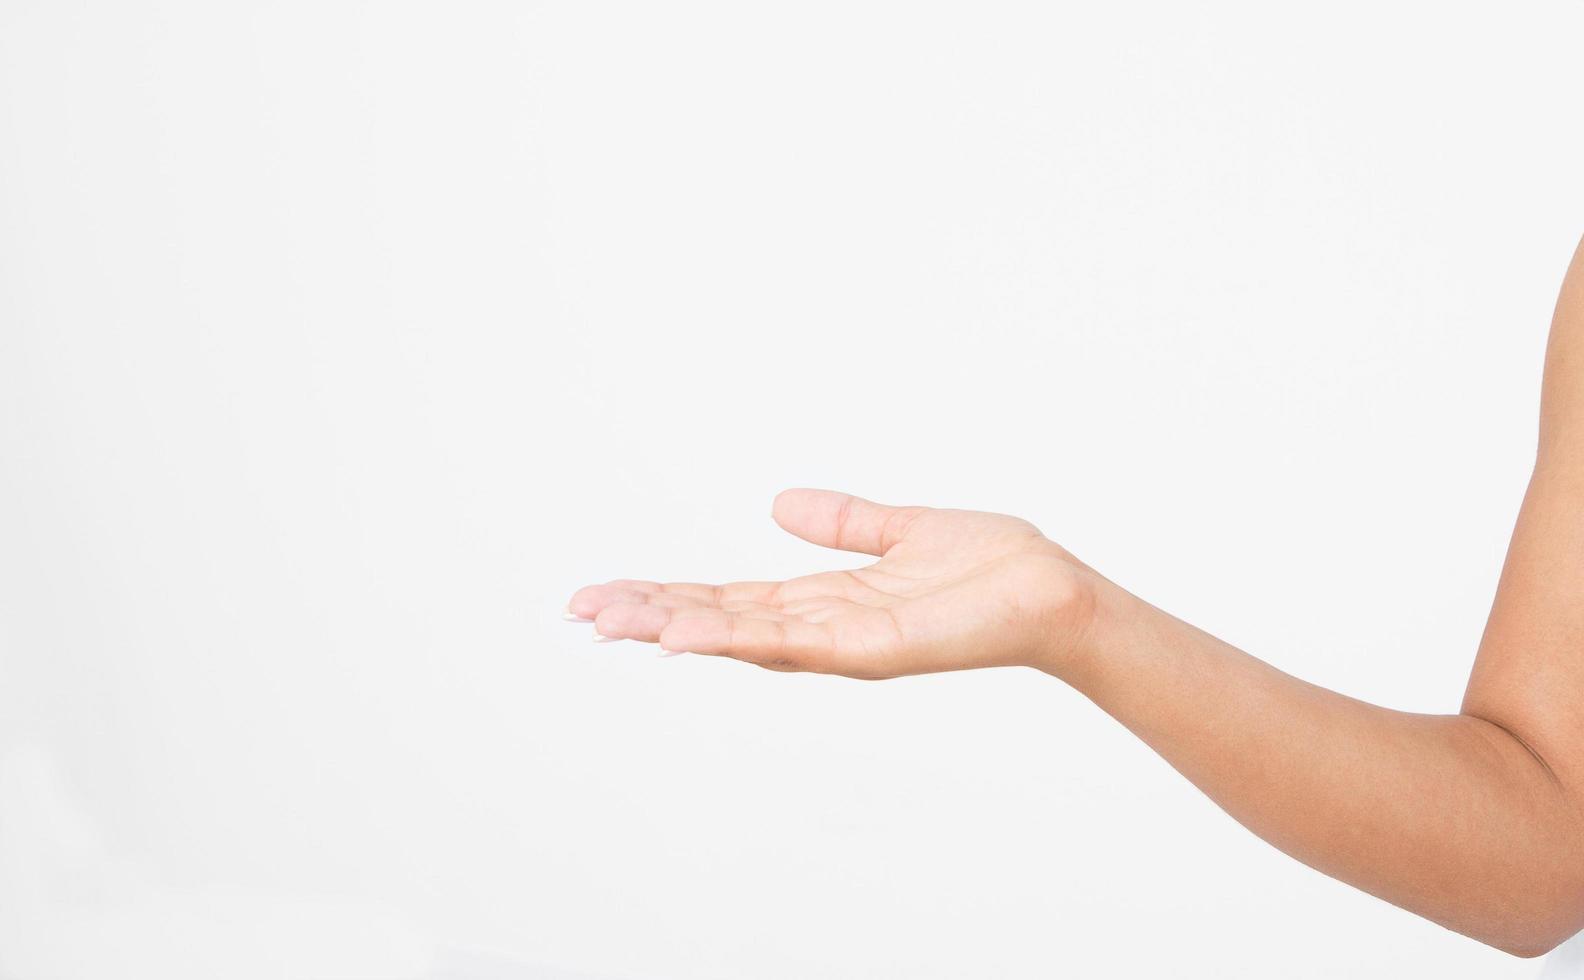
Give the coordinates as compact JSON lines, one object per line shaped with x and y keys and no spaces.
{"x":1530,"y":948}
{"x":1536,"y":932}
{"x":1525,"y":912}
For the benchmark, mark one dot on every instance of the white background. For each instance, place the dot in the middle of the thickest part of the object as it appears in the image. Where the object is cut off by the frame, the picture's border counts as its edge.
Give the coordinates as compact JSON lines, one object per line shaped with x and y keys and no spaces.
{"x":340,"y":342}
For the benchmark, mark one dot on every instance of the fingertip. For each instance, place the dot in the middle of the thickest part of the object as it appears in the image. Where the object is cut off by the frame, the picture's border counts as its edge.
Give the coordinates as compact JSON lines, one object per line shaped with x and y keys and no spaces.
{"x":670,"y":638}
{"x":691,"y":636}
{"x":583,"y":606}
{"x":588,"y":602}
{"x":777,"y":504}
{"x":608,"y":625}
{"x":790,"y":503}
{"x":632,"y":621}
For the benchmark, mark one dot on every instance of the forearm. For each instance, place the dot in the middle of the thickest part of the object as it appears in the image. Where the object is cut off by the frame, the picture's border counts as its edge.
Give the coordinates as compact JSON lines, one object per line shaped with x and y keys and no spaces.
{"x":1451,"y":817}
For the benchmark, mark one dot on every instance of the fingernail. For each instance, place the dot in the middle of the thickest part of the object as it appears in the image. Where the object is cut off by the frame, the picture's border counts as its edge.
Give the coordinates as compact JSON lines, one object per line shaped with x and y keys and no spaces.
{"x":671,"y":653}
{"x":602,"y":638}
{"x":573,"y":617}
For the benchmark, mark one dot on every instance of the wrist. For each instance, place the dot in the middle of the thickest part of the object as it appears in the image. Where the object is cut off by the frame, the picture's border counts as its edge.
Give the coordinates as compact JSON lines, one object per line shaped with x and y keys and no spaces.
{"x":1096,"y":615}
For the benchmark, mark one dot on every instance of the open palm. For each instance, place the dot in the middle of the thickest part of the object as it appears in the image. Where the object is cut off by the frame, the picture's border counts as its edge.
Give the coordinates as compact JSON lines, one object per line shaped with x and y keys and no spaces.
{"x":952,"y":589}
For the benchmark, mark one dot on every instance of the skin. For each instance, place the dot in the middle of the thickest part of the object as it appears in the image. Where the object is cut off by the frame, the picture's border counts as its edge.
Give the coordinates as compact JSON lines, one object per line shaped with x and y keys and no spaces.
{"x":1473,"y":820}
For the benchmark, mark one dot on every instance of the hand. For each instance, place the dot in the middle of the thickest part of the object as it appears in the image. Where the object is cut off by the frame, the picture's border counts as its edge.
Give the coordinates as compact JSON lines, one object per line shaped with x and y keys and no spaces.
{"x":952,"y":590}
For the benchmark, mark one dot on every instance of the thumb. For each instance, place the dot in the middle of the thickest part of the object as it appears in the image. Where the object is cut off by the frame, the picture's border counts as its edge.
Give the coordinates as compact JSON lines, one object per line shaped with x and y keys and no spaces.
{"x":842,"y":521}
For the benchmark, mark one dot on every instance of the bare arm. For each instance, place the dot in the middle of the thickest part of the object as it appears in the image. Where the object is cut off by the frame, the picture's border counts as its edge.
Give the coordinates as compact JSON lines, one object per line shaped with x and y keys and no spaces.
{"x":1474,"y":820}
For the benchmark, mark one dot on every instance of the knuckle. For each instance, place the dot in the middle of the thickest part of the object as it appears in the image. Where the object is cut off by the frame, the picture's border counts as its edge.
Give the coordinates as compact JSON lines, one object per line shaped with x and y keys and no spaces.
{"x":843,"y":514}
